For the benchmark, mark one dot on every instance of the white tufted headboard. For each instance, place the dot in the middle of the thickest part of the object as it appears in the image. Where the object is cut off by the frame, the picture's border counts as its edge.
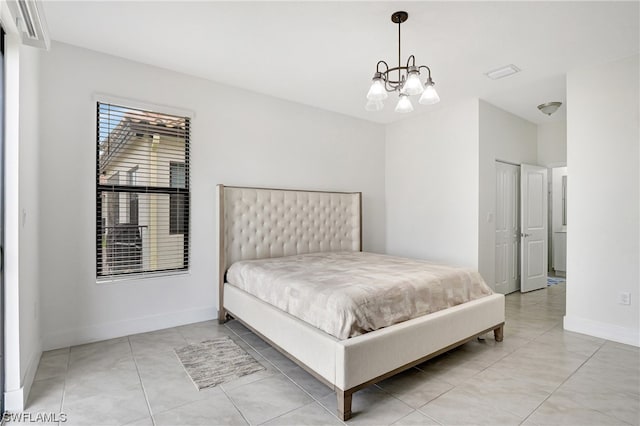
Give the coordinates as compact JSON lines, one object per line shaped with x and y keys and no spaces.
{"x":258,"y":223}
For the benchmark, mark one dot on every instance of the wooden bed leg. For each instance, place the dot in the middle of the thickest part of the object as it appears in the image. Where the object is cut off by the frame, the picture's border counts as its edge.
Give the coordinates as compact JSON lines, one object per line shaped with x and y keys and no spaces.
{"x":344,"y":404}
{"x":498,"y":333}
{"x":222,"y":316}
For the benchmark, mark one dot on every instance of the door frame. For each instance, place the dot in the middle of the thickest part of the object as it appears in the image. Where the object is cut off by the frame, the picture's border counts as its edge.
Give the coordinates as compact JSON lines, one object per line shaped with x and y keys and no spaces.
{"x":517,"y":220}
{"x":550,"y":202}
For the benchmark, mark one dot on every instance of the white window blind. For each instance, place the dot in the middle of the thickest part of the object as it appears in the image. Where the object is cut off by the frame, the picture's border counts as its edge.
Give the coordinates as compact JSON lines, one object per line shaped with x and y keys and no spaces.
{"x":142,"y":192}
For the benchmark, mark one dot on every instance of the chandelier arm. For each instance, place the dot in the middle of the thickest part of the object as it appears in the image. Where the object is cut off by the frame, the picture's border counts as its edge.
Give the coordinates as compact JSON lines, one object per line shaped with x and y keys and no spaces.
{"x":412,"y":59}
{"x":385,"y":65}
{"x":388,"y":87}
{"x":428,"y":69}
{"x":395,"y":86}
{"x":400,"y":79}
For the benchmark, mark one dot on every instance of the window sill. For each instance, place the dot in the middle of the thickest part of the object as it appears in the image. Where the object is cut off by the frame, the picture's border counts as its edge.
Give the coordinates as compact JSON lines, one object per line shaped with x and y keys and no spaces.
{"x":116,"y":279}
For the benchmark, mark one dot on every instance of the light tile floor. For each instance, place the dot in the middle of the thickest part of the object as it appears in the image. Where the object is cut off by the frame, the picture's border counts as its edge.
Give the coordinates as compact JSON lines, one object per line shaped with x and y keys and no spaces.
{"x":539,"y":375}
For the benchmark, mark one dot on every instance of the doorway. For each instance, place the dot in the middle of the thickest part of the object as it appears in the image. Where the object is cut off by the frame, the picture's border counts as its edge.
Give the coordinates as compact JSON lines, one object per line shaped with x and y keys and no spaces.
{"x":558,"y":222}
{"x":507,"y":227}
{"x":521,"y":239}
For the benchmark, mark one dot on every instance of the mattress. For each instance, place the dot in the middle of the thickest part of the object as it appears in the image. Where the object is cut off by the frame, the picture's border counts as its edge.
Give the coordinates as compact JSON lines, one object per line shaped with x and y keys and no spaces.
{"x":346,"y":294}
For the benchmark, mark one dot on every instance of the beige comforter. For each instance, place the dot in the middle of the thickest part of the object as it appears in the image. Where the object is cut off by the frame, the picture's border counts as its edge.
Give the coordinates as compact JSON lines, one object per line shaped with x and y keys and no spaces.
{"x":350,"y":293}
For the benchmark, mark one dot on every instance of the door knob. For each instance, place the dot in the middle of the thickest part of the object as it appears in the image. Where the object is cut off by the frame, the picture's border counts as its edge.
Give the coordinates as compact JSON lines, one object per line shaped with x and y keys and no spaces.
{"x":525,"y":235}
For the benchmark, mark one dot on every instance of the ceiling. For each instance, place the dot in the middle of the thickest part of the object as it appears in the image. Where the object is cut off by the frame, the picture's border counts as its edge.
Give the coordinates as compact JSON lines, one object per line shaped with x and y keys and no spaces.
{"x":324,"y":54}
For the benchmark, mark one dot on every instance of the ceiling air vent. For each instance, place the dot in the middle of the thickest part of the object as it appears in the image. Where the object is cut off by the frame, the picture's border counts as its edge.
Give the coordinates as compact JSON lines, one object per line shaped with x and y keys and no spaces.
{"x":30,"y":22}
{"x":503,"y":72}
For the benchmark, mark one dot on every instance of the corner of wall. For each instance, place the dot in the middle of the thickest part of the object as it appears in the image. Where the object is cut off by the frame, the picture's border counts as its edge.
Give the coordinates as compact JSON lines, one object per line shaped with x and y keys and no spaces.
{"x":15,"y":400}
{"x":23,"y":343}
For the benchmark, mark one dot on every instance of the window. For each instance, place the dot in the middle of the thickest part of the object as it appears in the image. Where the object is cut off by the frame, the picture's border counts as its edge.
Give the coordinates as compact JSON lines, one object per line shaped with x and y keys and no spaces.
{"x":142,"y":192}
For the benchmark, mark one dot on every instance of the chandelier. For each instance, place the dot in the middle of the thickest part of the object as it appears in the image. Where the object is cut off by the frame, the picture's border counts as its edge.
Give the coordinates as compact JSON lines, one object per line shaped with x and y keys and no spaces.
{"x":406,"y":82}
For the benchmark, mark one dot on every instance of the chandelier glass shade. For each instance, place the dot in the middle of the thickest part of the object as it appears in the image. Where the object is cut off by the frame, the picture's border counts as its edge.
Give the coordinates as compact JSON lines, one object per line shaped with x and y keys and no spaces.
{"x":377,"y":91}
{"x":402,"y":79}
{"x":374,"y":105}
{"x":404,"y":104}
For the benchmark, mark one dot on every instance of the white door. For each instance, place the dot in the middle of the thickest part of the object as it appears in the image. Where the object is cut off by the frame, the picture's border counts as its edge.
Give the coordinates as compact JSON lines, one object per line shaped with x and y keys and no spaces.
{"x":533,"y":227}
{"x":507,"y":227}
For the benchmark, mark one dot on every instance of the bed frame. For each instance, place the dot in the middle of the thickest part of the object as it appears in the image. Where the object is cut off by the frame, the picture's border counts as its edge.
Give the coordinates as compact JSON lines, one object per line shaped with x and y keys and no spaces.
{"x":257,"y":223}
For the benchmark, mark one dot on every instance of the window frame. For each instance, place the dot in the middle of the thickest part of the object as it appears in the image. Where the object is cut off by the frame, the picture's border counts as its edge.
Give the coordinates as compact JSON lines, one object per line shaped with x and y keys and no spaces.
{"x":134,"y":189}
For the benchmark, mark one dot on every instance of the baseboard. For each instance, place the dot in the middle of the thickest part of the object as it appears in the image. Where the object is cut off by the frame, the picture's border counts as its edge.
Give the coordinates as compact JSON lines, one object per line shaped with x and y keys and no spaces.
{"x":111,"y":330}
{"x":15,"y":401}
{"x":616,"y":333}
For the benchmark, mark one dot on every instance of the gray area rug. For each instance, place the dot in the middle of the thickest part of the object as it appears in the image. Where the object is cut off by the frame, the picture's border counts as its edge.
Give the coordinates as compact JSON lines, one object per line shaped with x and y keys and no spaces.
{"x":216,"y":361}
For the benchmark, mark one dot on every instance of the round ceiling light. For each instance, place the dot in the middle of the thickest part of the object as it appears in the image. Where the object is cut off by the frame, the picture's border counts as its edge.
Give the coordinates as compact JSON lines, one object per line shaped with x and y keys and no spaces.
{"x":549,"y":108}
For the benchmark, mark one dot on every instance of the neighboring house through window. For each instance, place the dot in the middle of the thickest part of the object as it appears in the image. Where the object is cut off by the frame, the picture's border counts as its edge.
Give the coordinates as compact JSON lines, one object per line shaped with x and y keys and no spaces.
{"x":178,"y":215}
{"x":113,"y":202}
{"x":142,"y":192}
{"x":133,"y":196}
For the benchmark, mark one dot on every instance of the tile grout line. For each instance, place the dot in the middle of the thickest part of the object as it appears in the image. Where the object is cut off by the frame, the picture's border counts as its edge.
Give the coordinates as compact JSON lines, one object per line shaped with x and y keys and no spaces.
{"x":477,"y":373}
{"x":234,"y":404}
{"x":563,"y":382}
{"x":294,"y":409}
{"x":315,"y":400}
{"x":374,"y":385}
{"x":528,"y":340}
{"x":416,"y":410}
{"x":64,"y":384}
{"x":581,"y":404}
{"x":222,"y":384}
{"x":430,"y":417}
{"x":328,"y":411}
{"x":144,"y":391}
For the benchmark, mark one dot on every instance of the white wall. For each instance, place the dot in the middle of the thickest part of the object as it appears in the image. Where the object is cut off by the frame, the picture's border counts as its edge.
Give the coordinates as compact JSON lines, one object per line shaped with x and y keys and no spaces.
{"x":552,"y":143}
{"x":432,"y":185}
{"x":238,"y":138}
{"x":506,"y":137}
{"x":22,"y":339}
{"x":603,"y":246}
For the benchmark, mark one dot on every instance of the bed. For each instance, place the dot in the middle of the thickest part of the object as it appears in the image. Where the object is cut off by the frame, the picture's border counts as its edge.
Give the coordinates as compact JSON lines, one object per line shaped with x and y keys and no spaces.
{"x":274,"y":225}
